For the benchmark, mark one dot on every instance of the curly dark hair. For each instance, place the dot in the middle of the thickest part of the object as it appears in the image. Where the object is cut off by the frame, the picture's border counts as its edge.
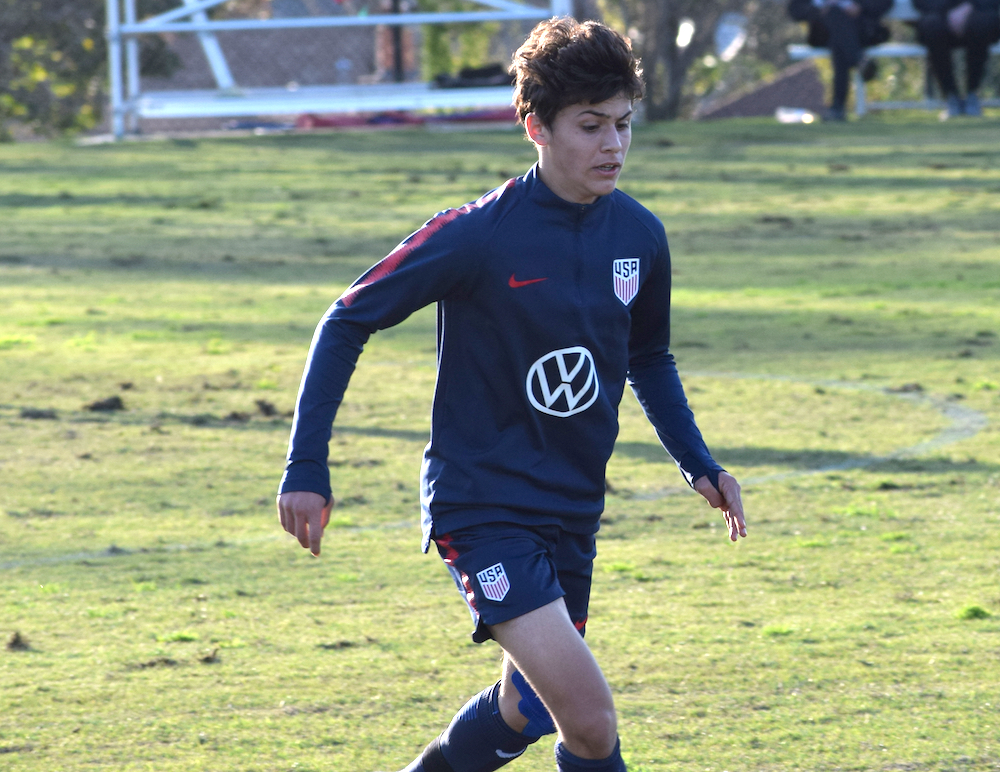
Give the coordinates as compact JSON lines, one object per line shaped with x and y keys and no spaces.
{"x":564,"y":62}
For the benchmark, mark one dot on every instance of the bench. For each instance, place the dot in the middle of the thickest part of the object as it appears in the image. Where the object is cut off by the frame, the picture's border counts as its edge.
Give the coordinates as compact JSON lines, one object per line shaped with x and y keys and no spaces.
{"x":902,"y":10}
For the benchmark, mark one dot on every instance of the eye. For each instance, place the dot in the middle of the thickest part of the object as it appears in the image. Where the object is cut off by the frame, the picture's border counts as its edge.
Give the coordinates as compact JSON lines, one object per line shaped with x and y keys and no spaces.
{"x":591,"y":127}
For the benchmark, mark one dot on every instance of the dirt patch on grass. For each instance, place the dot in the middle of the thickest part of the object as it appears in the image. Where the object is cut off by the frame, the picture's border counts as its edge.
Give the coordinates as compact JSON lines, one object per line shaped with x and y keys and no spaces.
{"x":106,"y":405}
{"x":18,"y":642}
{"x":155,"y":662}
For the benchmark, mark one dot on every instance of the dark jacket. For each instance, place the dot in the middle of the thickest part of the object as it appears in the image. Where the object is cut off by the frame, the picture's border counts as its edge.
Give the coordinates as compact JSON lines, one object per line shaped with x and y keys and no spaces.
{"x":545,"y":310}
{"x":871,"y":30}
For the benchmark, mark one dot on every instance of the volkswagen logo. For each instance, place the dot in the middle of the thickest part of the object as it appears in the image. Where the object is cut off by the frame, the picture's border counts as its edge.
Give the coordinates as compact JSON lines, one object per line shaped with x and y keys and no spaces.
{"x":564,"y":382}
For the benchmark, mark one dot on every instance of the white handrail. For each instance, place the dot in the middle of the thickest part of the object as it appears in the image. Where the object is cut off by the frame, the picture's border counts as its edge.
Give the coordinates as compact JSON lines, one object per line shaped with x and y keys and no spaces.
{"x":180,"y":13}
{"x":317,"y":22}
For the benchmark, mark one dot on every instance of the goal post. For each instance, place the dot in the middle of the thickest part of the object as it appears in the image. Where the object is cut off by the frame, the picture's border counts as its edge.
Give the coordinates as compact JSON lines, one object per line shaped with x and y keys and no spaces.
{"x":325,"y":29}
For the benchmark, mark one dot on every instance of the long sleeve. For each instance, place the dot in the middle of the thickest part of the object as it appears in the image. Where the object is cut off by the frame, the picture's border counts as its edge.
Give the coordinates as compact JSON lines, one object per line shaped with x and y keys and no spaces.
{"x":335,"y":349}
{"x":420,"y":271}
{"x":654,"y":379}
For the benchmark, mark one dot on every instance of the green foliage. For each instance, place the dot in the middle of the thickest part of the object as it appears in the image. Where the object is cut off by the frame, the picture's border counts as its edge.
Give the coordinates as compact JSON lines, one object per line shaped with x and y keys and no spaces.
{"x":52,"y":63}
{"x":653,"y":26}
{"x":182,"y":636}
{"x":973,"y":611}
{"x":447,"y":48}
{"x":822,"y":273}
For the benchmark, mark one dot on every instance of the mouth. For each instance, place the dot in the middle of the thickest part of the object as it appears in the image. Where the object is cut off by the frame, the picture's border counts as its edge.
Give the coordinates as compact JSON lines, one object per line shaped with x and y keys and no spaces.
{"x":608,"y":168}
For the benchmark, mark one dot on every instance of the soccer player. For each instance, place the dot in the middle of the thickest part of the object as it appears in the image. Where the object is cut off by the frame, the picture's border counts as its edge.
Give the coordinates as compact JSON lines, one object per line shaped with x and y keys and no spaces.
{"x":552,"y":291}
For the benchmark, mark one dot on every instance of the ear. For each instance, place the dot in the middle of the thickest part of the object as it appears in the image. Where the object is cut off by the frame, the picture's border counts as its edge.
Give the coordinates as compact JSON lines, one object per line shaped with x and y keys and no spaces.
{"x":536,"y":130}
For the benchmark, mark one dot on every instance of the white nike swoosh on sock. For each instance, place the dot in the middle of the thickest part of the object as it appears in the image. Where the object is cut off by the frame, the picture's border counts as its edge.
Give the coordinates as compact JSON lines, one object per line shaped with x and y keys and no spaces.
{"x":504,"y":755}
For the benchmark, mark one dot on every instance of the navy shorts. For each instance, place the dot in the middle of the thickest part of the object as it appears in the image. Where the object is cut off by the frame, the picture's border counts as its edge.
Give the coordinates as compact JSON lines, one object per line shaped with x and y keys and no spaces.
{"x":505,"y":570}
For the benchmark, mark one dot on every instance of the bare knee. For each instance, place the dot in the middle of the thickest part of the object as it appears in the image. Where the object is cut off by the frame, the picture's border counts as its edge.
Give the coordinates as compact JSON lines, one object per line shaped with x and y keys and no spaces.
{"x":590,"y":736}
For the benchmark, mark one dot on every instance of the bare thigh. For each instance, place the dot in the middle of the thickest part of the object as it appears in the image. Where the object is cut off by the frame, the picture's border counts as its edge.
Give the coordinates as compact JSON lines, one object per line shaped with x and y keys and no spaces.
{"x":552,"y":656}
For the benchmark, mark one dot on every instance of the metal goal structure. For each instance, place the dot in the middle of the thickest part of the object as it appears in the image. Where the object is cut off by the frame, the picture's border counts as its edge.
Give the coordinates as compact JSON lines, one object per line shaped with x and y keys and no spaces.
{"x":306,"y":56}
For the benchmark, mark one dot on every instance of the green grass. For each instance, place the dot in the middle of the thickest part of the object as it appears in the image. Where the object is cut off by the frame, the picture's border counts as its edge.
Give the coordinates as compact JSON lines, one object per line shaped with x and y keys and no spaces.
{"x":837,"y":322}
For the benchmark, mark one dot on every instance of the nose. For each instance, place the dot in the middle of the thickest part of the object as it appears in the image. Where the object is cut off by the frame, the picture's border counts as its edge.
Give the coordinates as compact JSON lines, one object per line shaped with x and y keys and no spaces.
{"x":612,"y":139}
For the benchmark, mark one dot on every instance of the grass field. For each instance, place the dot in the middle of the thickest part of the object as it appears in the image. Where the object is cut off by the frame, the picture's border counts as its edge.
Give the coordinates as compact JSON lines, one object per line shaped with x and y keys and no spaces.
{"x":837,"y":323}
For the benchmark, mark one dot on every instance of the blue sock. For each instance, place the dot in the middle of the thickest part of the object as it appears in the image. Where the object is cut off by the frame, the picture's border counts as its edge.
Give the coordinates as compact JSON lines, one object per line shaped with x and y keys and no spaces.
{"x":477,"y":740}
{"x":567,"y":762}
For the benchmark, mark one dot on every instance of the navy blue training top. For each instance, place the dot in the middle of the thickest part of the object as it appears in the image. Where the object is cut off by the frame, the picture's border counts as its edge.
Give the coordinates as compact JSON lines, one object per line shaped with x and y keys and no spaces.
{"x":545,"y":308}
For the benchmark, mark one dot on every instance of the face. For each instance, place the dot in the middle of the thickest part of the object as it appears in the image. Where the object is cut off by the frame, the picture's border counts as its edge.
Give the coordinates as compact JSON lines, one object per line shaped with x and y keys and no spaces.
{"x":581,"y":153}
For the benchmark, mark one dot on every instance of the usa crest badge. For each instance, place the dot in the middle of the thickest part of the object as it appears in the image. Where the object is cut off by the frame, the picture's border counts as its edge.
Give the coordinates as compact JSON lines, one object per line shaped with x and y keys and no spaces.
{"x":494,"y":582}
{"x":625,"y":273}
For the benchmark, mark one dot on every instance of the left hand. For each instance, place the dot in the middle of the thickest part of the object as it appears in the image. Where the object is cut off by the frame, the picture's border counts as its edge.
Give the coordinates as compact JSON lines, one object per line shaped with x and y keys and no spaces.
{"x":727,"y":498}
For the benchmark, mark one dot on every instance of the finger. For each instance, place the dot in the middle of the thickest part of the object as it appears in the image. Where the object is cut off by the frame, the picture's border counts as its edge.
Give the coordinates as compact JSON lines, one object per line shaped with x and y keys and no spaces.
{"x":302,"y":529}
{"x":316,"y":529}
{"x":733,"y":508}
{"x":736,"y":510}
{"x":735,"y":530}
{"x":737,"y":522}
{"x":282,"y":516}
{"x":741,"y":522}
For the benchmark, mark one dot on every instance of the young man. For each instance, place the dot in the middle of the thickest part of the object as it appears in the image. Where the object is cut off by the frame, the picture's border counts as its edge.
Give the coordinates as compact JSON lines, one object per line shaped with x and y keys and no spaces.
{"x":552,"y":291}
{"x":847,"y":28}
{"x":948,"y":24}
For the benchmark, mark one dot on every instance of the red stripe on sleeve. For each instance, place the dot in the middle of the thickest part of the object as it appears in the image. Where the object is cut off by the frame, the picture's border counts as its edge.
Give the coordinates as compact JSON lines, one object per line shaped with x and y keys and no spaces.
{"x":393,"y":260}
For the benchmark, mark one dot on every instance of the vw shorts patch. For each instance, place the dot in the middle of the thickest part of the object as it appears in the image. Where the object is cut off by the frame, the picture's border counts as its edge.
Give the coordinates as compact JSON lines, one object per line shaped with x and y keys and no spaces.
{"x":505,"y":570}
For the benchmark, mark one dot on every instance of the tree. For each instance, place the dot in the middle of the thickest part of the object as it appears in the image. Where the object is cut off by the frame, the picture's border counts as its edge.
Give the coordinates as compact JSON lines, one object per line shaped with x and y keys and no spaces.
{"x":764,"y":51}
{"x":52,"y":62}
{"x":654,"y":26}
{"x":447,"y":48}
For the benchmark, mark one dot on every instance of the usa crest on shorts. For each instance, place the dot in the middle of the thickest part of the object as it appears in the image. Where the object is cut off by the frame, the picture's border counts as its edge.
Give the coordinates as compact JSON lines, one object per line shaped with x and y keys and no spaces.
{"x":625,"y":272}
{"x":494,"y":582}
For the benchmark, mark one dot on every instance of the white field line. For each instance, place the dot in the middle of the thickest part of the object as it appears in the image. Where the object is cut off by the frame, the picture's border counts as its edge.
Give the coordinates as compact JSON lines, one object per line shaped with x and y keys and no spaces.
{"x":965,"y":423}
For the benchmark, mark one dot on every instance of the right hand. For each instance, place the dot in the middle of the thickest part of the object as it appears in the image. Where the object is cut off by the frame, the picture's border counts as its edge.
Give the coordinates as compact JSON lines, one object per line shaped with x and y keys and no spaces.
{"x":304,"y":515}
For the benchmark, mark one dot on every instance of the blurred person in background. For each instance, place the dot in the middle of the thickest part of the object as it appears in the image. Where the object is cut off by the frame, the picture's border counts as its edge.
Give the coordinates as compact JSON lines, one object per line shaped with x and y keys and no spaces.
{"x":847,"y":28}
{"x":948,"y":24}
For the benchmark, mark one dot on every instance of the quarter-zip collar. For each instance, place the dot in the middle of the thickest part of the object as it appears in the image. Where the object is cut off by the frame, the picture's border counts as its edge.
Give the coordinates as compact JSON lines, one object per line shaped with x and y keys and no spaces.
{"x":542,"y":195}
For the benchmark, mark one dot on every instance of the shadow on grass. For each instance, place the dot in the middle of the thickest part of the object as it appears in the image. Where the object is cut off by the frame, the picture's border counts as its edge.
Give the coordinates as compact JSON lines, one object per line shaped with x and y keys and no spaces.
{"x":62,"y":200}
{"x":295,"y":267}
{"x":408,"y":435}
{"x":242,"y":422}
{"x":811,"y":460}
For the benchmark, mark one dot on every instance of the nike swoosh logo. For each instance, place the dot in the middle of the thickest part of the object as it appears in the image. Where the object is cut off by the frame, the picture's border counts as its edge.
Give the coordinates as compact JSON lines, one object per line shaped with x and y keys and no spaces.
{"x":503,"y":755}
{"x":515,"y":283}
